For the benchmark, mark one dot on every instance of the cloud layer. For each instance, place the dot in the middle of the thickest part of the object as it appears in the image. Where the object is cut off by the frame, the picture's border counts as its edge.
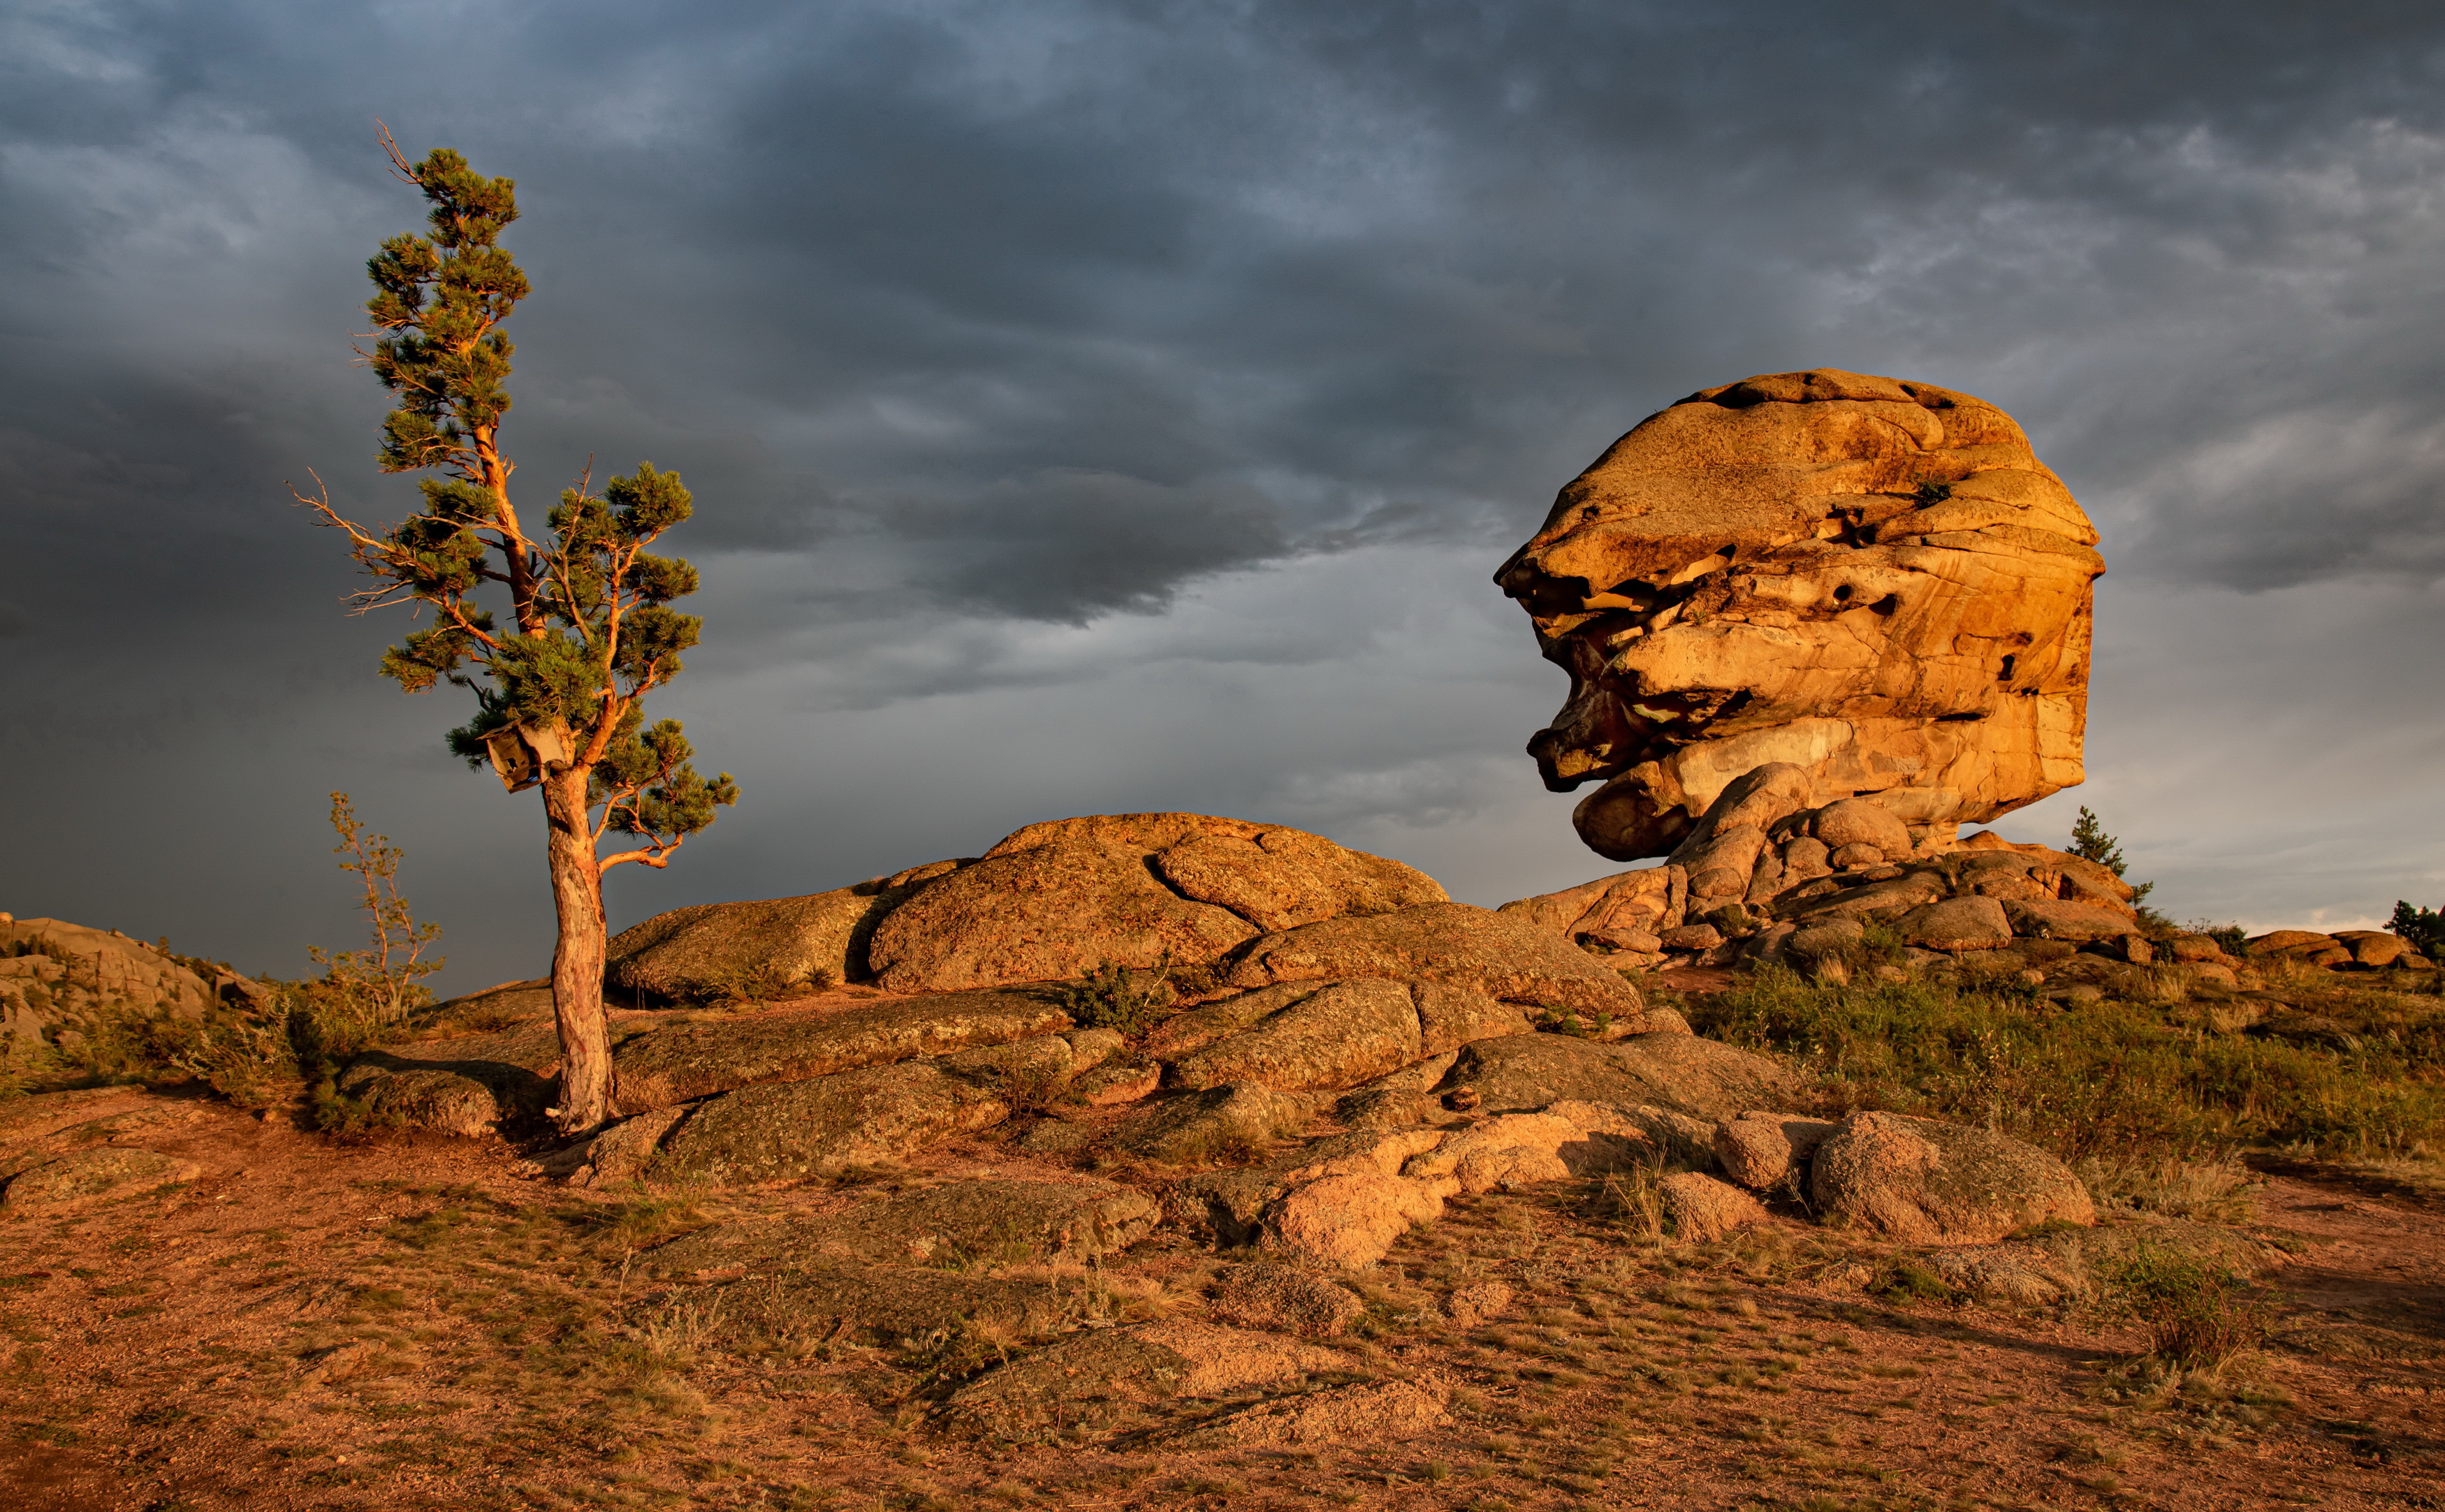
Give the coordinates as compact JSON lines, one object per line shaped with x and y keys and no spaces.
{"x":1095,"y":407}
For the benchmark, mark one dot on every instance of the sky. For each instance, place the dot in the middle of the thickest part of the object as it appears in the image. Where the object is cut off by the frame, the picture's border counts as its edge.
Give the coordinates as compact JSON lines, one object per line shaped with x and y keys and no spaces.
{"x":1096,"y":407}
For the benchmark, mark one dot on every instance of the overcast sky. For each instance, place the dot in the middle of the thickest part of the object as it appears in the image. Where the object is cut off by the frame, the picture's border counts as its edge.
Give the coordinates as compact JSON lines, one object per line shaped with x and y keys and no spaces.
{"x":1095,"y":408}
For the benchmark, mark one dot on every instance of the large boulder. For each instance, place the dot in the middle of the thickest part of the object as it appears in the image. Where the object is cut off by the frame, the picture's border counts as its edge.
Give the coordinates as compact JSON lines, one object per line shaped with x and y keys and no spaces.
{"x":1503,"y":956}
{"x":1199,"y":1127}
{"x":1873,"y":580}
{"x":1053,"y":901}
{"x":1701,"y":1077}
{"x":1925,"y":1182}
{"x":757,"y":949}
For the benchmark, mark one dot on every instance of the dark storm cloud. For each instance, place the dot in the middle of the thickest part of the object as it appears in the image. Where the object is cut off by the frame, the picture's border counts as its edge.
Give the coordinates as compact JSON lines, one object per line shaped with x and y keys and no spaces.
{"x":975,"y":326}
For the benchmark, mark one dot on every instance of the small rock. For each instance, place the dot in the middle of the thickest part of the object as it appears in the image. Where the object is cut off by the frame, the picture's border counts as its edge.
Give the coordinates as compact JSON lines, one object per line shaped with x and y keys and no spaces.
{"x":1703,"y":1208}
{"x":1851,"y":856}
{"x":1285,"y":1300}
{"x":1765,"y":1151}
{"x":1462,"y":1099}
{"x":1329,"y":1416}
{"x":1692,"y":937}
{"x":1474,"y":1303}
{"x":1109,"y":1085}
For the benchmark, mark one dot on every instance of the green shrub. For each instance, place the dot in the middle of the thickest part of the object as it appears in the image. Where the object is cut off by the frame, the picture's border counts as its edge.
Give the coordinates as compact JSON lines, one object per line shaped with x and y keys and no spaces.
{"x":2197,"y":1312}
{"x":2114,"y":1083}
{"x":2423,"y":928}
{"x":1114,"y":997}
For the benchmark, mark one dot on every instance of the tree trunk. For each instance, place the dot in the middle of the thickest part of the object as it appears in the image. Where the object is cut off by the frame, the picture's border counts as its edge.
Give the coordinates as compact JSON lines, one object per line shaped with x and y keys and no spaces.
{"x":577,"y":958}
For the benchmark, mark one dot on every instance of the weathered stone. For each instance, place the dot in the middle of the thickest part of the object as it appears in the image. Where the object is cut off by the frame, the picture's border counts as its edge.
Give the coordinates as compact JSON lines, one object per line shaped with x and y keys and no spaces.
{"x":86,"y":1175}
{"x":1105,"y":1381}
{"x":1397,"y":1098}
{"x":1283,"y":1299}
{"x":1926,"y":1182}
{"x":1350,"y":1218}
{"x":1702,"y":1077}
{"x":1878,"y":900}
{"x":1692,"y":937}
{"x":2080,"y":923}
{"x":1336,"y":1036}
{"x":1648,"y":900}
{"x":2288,"y":943}
{"x":466,"y":1085}
{"x":1860,"y":822}
{"x":1451,"y":1015}
{"x":1875,"y":581}
{"x":1280,"y":879}
{"x":961,"y":1224}
{"x":1055,"y":900}
{"x":1823,"y":941}
{"x":1957,"y":924}
{"x":2373,"y":947}
{"x":1472,"y":1305}
{"x":622,"y":1151}
{"x":764,"y":949}
{"x":1200,"y":1127}
{"x":1398,"y":1410}
{"x":1502,"y":956}
{"x":792,"y":1130}
{"x":1703,"y":1208}
{"x":679,"y":1062}
{"x":2196,"y":947}
{"x":1118,"y":1082}
{"x":1049,"y":912}
{"x":1768,"y":1151}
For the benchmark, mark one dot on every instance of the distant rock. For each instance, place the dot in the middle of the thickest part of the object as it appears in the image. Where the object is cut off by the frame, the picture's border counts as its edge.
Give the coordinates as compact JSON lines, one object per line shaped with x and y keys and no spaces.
{"x":55,"y":977}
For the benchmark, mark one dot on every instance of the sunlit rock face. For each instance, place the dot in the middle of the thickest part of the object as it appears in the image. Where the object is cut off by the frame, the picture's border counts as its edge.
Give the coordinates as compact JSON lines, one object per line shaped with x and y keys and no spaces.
{"x":1872,"y":579}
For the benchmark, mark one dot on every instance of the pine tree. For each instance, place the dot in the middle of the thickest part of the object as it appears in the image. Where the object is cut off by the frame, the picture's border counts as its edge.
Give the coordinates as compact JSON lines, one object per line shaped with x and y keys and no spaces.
{"x":558,"y":688}
{"x":2090,"y":842}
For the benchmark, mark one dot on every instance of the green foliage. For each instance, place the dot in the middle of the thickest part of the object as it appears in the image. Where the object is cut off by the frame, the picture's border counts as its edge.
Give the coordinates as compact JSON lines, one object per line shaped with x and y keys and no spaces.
{"x":1932,"y":493}
{"x":2090,"y":842}
{"x":2423,"y":928}
{"x":590,"y":629}
{"x":1114,"y":997}
{"x":2197,"y":1312}
{"x":257,"y":1053}
{"x":2117,"y":1084}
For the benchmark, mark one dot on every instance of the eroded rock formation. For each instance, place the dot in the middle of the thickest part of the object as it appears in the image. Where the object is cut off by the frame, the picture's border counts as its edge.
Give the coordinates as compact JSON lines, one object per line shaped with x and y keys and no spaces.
{"x":1874,"y":581}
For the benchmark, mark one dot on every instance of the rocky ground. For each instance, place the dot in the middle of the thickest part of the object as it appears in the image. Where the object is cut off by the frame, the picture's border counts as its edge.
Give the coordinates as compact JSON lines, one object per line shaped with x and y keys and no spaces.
{"x":409,"y":1322}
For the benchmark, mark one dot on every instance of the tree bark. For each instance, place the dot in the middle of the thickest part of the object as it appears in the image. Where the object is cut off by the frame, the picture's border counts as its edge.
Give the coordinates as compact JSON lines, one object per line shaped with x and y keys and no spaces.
{"x":585,"y":1100}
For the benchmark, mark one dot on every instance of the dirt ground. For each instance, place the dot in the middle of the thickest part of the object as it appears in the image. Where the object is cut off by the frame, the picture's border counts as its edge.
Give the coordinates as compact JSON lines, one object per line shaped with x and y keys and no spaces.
{"x":411,"y":1325}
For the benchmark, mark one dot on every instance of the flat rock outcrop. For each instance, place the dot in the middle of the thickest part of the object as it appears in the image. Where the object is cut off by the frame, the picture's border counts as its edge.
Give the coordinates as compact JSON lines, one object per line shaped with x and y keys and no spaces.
{"x":960,"y":1225}
{"x":1449,"y":943}
{"x":1871,"y":579}
{"x":789,"y":1131}
{"x":1703,"y":1078}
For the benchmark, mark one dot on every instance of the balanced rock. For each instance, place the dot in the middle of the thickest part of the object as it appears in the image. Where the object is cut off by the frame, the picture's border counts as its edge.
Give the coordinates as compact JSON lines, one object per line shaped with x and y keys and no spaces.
{"x":1875,"y":581}
{"x":1925,"y":1182}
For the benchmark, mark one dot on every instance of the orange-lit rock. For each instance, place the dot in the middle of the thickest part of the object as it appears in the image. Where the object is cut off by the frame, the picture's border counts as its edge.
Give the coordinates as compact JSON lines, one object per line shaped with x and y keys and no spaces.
{"x":1873,"y":580}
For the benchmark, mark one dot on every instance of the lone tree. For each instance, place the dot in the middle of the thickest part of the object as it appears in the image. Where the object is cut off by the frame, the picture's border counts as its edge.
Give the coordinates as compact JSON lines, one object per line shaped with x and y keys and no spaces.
{"x":589,"y":633}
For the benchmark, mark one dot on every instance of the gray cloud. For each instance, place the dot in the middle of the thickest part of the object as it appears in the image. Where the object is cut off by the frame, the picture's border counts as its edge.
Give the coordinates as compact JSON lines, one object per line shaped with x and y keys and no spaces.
{"x":1105,"y":404}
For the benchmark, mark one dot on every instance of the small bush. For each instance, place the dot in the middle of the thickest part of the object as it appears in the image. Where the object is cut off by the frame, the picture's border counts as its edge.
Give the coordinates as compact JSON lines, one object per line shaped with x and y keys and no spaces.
{"x":1114,"y":997}
{"x":2196,"y":1311}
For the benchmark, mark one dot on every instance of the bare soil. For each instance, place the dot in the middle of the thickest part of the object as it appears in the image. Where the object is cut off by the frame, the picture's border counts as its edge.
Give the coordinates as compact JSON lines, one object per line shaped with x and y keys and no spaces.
{"x":408,"y":1324}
